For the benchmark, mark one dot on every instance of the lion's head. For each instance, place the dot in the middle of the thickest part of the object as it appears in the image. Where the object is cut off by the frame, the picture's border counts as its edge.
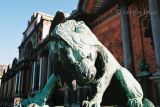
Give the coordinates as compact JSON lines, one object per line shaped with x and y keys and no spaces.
{"x":78,"y":51}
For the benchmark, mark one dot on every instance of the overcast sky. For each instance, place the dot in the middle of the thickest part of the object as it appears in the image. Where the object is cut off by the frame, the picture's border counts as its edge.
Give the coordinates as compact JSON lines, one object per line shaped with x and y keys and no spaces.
{"x":14,"y":15}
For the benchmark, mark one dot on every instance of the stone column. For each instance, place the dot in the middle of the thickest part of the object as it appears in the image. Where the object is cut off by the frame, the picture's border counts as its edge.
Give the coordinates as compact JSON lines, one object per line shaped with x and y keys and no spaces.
{"x":126,"y":38}
{"x":44,"y":71}
{"x":15,"y":87}
{"x":40,"y":74}
{"x":5,"y":89}
{"x":9,"y":87}
{"x":49,"y":67}
{"x":33,"y":75}
{"x":6,"y":92}
{"x":12,"y":86}
{"x":155,"y":24}
{"x":0,"y":81}
{"x":19,"y":83}
{"x":1,"y":91}
{"x":10,"y":91}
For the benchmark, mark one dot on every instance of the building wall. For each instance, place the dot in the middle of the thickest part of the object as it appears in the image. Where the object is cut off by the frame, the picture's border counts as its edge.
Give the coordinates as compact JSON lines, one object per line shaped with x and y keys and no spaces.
{"x":107,"y":30}
{"x":33,"y":55}
{"x":7,"y":90}
{"x":142,"y":46}
{"x":107,"y":27}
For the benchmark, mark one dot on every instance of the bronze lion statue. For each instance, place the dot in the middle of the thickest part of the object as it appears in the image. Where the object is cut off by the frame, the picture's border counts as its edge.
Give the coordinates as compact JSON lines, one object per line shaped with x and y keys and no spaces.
{"x":78,"y":55}
{"x":86,"y":60}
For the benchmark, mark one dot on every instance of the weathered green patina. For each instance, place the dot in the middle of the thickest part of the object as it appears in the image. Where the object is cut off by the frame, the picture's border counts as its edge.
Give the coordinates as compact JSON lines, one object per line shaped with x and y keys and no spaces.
{"x":78,"y":55}
{"x":41,"y":97}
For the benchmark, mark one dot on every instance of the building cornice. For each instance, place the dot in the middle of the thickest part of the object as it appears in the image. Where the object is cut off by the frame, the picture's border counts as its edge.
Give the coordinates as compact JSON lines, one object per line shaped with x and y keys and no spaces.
{"x":36,"y":20}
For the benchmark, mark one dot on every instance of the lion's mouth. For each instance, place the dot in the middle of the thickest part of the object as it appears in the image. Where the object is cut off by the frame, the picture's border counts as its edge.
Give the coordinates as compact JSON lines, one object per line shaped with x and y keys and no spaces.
{"x":87,"y":72}
{"x":87,"y":77}
{"x":90,"y":72}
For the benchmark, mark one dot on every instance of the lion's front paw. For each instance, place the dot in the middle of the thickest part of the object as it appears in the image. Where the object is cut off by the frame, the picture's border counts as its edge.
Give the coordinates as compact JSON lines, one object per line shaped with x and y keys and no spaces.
{"x":90,"y":104}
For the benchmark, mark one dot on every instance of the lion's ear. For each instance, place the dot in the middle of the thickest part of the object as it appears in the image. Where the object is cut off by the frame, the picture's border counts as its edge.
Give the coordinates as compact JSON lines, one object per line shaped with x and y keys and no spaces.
{"x":100,"y":62}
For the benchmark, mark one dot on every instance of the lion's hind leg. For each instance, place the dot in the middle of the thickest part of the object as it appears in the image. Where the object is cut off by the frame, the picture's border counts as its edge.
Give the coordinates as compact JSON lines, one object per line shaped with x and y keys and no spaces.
{"x":131,"y":87}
